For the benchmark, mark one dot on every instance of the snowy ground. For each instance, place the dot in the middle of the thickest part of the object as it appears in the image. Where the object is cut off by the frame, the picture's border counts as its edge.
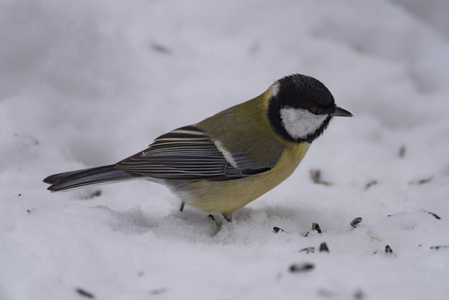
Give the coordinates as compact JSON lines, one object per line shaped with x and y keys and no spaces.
{"x":85,"y":83}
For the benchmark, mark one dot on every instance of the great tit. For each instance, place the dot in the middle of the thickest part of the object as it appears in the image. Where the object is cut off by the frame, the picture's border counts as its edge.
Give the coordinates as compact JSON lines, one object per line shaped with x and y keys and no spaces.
{"x":228,"y":160}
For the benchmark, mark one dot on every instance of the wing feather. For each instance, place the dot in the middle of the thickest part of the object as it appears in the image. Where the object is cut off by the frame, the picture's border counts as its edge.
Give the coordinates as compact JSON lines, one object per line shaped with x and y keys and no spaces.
{"x":187,"y":153}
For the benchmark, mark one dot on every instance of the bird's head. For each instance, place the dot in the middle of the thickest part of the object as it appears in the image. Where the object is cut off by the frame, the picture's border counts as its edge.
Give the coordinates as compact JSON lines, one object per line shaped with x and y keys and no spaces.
{"x":301,"y":107}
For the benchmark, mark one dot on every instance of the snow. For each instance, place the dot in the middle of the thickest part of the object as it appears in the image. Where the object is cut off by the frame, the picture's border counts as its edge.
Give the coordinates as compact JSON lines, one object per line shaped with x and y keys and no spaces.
{"x":86,"y":83}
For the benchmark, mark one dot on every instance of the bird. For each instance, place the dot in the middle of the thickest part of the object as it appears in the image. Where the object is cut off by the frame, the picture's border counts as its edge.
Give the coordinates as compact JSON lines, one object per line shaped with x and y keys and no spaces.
{"x":226,"y":161}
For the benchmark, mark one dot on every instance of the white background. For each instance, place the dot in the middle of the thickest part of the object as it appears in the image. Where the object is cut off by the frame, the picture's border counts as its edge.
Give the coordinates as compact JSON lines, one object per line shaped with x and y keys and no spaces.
{"x":86,"y":83}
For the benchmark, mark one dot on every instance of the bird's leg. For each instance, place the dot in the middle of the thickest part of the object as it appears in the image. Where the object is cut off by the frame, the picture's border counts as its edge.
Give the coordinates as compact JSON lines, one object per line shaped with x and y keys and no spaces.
{"x":181,"y":208}
{"x":228,"y":217}
{"x":216,"y":223}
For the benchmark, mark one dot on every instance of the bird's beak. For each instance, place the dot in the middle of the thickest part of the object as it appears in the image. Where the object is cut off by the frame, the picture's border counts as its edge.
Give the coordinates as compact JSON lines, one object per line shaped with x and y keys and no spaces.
{"x":340,"y":112}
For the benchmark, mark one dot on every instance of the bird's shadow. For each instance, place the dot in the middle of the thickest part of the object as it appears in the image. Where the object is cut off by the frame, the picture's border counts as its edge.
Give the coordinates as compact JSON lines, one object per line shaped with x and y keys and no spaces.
{"x":134,"y":220}
{"x":194,"y":225}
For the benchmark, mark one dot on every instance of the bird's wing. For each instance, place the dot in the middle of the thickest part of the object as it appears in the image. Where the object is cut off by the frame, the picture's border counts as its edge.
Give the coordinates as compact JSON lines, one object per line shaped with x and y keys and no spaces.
{"x":187,"y":153}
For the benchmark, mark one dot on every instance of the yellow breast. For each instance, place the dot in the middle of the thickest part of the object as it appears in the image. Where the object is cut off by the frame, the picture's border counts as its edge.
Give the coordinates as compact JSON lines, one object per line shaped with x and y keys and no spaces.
{"x":228,"y":196}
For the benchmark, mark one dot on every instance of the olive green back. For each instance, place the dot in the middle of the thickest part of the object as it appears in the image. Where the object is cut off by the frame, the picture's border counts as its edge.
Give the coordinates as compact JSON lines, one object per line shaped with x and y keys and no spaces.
{"x":245,"y":129}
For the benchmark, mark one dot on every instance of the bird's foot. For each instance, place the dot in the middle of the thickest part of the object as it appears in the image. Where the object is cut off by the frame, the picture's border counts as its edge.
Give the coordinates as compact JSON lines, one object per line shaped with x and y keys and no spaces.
{"x":228,"y":217}
{"x":219,"y":224}
{"x":181,"y":208}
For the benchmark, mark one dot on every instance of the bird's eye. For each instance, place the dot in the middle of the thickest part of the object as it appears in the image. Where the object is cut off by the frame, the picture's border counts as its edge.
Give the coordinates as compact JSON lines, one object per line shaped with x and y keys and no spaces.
{"x":316,"y":110}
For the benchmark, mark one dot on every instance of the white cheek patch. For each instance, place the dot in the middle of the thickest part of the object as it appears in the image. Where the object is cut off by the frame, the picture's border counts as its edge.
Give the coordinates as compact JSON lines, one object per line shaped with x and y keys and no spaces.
{"x":299,"y":123}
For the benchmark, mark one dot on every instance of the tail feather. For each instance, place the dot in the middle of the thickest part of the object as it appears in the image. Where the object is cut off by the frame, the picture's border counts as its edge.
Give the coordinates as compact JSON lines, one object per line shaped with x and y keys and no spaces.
{"x":73,"y":179}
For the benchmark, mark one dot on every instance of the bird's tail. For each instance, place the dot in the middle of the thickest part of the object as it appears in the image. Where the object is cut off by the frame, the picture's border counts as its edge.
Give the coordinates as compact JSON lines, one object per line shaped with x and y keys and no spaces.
{"x":73,"y":179}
